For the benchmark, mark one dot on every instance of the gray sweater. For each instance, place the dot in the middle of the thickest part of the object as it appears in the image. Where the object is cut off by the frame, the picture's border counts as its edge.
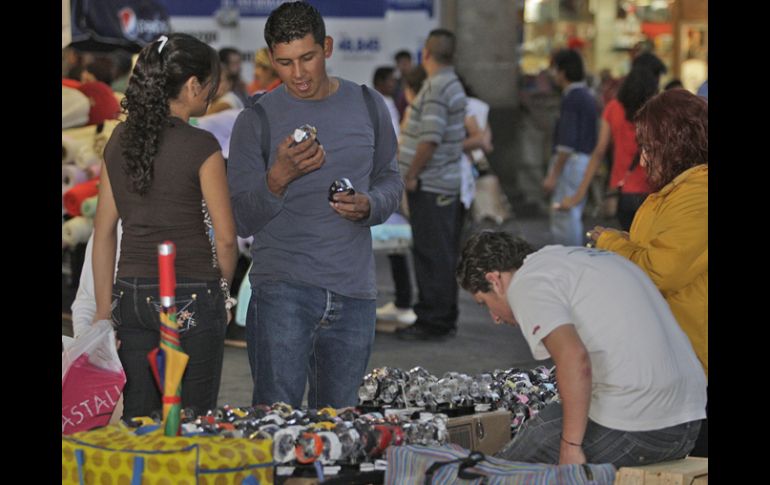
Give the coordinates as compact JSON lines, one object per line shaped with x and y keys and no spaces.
{"x":298,"y":237}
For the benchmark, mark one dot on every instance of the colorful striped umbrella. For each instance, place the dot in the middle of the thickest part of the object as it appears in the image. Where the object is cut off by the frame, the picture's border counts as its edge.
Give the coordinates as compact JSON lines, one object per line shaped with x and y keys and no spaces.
{"x":168,"y":361}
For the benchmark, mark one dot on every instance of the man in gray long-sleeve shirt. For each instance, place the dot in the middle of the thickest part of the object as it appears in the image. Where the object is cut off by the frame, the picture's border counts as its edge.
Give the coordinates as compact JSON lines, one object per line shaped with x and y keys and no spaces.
{"x":312,"y":311}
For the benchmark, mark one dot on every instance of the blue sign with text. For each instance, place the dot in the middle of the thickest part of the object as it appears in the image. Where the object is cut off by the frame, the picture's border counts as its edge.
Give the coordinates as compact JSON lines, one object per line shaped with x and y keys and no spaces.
{"x":426,"y":5}
{"x":262,"y":8}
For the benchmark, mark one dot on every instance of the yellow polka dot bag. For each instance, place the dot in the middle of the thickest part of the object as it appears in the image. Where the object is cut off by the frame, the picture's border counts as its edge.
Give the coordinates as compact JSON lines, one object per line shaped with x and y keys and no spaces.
{"x":116,"y":455}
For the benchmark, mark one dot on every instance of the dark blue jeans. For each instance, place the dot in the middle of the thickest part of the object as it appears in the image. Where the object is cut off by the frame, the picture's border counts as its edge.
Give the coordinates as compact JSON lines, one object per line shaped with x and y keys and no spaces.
{"x":201,"y":314}
{"x":297,"y":333}
{"x":539,"y":441}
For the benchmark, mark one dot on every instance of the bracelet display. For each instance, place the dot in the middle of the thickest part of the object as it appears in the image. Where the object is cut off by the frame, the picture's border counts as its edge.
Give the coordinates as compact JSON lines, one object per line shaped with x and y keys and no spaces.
{"x":230,"y":302}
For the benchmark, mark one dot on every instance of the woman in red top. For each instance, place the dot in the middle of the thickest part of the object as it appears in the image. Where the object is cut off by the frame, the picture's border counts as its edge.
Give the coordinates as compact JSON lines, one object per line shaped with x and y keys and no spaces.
{"x":617,"y":126}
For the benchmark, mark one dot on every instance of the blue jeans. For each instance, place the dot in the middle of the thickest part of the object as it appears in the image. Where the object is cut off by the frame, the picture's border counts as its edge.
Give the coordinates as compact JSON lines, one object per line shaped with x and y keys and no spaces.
{"x":539,"y":441}
{"x":297,"y":333}
{"x":567,"y":226}
{"x":202,"y":317}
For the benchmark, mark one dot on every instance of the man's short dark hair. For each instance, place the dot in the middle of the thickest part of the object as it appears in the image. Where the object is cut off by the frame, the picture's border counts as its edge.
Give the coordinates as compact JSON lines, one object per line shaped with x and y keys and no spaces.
{"x":441,"y":45}
{"x":381,"y":74}
{"x":570,"y":62}
{"x":226,"y":52}
{"x":650,"y":61}
{"x":293,"y":21}
{"x":486,"y":252}
{"x":402,"y":54}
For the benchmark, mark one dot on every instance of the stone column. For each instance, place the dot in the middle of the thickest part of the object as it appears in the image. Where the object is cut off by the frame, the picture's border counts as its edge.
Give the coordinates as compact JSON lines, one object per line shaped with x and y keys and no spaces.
{"x":488,"y":33}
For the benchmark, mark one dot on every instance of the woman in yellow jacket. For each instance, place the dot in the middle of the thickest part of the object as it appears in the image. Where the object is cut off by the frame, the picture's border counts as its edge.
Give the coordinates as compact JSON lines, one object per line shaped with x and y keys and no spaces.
{"x":669,"y":234}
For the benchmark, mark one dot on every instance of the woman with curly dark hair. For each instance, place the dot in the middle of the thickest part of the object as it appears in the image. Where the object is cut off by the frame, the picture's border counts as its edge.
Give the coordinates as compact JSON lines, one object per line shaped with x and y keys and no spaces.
{"x":617,"y":127}
{"x":166,"y":181}
{"x":669,"y":235}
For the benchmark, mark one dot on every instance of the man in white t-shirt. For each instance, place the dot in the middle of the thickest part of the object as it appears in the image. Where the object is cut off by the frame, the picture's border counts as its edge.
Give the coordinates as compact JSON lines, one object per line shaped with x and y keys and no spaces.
{"x":632,"y":390}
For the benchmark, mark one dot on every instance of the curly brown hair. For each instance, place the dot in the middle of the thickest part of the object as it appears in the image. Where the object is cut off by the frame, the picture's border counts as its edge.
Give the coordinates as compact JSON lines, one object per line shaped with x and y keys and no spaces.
{"x":672,"y":132}
{"x":160,"y":72}
{"x":486,"y":252}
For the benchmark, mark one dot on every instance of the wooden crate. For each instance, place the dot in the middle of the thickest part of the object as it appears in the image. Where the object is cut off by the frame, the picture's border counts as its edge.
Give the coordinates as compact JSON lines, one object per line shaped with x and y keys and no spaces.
{"x":690,"y":471}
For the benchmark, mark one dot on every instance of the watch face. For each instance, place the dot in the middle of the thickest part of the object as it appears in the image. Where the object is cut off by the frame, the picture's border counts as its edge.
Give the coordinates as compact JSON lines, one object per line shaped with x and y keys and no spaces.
{"x":412,"y":393}
{"x":308,"y":447}
{"x":284,"y":445}
{"x":303,"y":133}
{"x":332,"y":448}
{"x":188,"y":414}
{"x":282,"y":409}
{"x":350,"y":442}
{"x":419,"y":372}
{"x":368,"y":390}
{"x":342,"y":185}
{"x":389,"y":390}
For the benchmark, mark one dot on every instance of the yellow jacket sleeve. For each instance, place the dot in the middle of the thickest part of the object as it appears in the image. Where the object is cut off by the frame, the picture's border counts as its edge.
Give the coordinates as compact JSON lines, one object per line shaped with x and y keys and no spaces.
{"x":669,"y":237}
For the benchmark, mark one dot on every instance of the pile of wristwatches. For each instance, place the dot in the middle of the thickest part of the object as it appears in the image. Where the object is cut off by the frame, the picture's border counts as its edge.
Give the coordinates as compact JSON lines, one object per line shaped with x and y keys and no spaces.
{"x":522,"y":392}
{"x":324,"y":435}
{"x":525,"y":393}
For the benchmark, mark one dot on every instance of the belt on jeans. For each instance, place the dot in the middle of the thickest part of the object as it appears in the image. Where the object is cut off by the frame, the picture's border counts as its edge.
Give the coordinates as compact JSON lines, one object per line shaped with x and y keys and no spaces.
{"x":144,"y":282}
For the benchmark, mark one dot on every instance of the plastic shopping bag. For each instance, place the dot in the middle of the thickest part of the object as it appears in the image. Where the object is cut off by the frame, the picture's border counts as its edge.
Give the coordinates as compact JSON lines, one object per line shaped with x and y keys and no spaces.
{"x":92,"y":379}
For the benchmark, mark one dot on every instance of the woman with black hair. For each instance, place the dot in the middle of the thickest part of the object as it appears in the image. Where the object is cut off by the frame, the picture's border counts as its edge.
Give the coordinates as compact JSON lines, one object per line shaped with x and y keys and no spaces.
{"x":166,"y":181}
{"x":617,"y":127}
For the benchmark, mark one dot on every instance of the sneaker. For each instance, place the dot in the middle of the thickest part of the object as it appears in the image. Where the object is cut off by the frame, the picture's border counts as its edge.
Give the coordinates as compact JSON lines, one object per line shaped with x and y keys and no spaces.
{"x":391,"y":312}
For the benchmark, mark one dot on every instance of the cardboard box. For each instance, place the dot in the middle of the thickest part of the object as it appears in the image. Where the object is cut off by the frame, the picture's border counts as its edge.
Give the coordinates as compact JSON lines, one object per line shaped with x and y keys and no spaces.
{"x":689,"y":471}
{"x":486,"y":432}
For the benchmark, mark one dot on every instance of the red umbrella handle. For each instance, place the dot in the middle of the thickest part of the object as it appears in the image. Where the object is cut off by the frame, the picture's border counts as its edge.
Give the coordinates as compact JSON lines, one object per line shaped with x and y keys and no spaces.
{"x":166,"y":273}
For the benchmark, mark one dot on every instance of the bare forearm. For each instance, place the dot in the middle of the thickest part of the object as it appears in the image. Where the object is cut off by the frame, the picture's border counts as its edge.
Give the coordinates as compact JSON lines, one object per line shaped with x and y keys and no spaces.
{"x":593,"y":166}
{"x":104,"y":271}
{"x":573,"y":372}
{"x":227,"y":257}
{"x":574,"y":377}
{"x":474,"y":141}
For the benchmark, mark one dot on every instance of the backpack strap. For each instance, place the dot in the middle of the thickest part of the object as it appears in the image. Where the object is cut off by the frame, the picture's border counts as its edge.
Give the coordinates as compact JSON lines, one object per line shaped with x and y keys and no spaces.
{"x":372,"y":109}
{"x":264,"y":127}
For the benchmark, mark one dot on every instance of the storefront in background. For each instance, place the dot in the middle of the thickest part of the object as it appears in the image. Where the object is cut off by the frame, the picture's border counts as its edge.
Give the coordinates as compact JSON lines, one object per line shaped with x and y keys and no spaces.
{"x":608,"y":32}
